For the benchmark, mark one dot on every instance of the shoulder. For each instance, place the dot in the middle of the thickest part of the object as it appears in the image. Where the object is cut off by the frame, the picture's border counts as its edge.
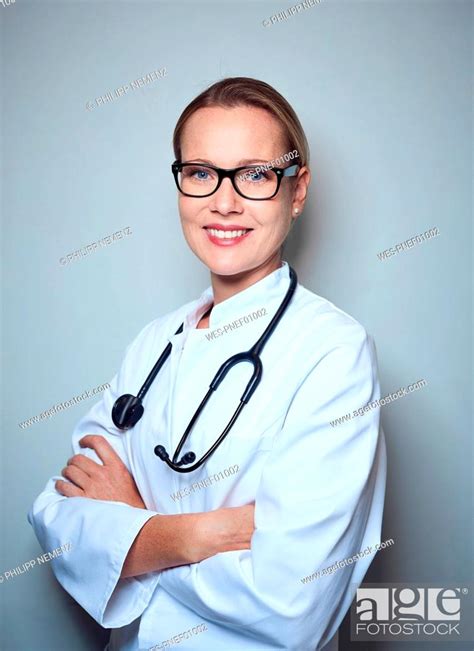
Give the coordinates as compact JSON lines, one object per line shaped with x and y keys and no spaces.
{"x":323,"y":321}
{"x":336,"y":355}
{"x":325,"y":339}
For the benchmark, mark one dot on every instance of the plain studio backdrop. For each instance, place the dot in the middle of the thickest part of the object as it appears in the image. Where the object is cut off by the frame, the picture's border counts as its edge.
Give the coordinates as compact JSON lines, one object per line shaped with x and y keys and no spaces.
{"x":383,"y":90}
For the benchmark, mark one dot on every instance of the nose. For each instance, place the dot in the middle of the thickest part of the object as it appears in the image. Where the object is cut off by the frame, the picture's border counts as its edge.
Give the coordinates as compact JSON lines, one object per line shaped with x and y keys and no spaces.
{"x":226,"y":199}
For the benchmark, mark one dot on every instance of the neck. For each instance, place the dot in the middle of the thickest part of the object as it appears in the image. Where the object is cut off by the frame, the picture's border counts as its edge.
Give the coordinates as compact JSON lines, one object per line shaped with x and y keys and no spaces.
{"x":224,"y":287}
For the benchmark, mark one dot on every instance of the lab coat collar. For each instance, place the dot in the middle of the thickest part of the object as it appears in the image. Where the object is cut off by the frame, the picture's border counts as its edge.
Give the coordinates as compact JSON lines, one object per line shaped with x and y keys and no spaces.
{"x":262,"y":293}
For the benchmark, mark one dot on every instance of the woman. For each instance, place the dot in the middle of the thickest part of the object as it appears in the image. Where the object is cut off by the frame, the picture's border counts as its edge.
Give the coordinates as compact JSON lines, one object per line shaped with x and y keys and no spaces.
{"x":215,"y":558}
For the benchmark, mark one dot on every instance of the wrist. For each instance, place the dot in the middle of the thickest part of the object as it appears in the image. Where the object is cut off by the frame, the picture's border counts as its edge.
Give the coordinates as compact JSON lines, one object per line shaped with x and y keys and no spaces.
{"x":195,"y":537}
{"x":216,"y":532}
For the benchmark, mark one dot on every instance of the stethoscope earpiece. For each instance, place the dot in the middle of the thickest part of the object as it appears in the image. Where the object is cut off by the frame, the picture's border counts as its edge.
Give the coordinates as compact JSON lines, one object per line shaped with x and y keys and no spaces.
{"x":188,"y":458}
{"x":127,"y":411}
{"x":161,"y":452}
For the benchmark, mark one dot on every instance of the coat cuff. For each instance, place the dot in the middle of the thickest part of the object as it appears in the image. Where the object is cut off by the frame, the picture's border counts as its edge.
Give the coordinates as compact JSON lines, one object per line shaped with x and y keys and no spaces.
{"x":101,"y":534}
{"x":126,"y":599}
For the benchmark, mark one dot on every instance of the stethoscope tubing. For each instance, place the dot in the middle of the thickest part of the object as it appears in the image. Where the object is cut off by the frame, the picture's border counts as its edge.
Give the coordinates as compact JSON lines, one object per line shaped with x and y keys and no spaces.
{"x":128,"y":409}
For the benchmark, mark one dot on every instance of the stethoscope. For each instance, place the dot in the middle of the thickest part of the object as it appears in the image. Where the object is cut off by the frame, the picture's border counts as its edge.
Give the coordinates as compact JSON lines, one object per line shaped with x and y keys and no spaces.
{"x":128,"y":409}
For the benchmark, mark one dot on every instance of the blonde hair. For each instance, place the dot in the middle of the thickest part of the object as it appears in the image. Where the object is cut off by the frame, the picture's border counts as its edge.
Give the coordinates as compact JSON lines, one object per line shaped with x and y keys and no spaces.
{"x":245,"y":91}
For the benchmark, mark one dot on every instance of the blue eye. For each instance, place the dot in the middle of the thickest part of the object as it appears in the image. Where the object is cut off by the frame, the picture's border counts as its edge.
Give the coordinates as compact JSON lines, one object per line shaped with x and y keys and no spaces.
{"x":198,"y":173}
{"x":253,"y":176}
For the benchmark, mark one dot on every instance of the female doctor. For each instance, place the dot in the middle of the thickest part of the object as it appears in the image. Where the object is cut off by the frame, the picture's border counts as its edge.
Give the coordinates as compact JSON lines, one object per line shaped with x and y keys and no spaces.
{"x":168,"y":548}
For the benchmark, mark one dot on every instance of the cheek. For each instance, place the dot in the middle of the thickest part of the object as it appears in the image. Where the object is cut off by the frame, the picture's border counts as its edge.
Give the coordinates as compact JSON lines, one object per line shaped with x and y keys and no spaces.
{"x":187,"y":212}
{"x":278,"y":224}
{"x":281,"y":231}
{"x":183,"y":207}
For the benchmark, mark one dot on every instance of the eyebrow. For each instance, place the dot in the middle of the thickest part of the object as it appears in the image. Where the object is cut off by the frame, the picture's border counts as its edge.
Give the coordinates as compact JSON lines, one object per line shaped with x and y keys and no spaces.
{"x":245,"y":161}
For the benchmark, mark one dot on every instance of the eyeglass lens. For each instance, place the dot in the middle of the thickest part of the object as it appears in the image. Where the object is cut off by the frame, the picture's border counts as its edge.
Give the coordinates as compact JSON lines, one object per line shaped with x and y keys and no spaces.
{"x":200,"y":180}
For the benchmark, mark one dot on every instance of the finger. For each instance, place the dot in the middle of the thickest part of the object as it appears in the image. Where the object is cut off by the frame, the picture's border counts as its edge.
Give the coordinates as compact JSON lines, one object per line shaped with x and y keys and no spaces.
{"x":76,"y":475}
{"x":89,"y":466}
{"x":102,"y":447}
{"x":67,"y":489}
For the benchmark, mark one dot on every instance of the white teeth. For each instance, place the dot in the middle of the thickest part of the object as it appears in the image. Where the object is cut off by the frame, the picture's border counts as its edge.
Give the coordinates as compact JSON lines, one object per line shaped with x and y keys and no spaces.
{"x":226,"y":235}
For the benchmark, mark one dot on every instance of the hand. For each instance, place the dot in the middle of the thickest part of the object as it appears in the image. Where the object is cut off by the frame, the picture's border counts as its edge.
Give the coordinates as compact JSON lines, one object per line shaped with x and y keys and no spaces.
{"x":110,"y":481}
{"x":224,"y":530}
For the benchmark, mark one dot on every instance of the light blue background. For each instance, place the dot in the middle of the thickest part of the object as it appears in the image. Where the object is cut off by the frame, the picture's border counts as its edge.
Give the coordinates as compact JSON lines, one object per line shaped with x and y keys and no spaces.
{"x":383,"y":90}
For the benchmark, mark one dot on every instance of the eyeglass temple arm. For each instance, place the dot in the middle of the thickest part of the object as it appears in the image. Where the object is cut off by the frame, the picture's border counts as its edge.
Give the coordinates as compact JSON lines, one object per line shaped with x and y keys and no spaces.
{"x":291,"y":171}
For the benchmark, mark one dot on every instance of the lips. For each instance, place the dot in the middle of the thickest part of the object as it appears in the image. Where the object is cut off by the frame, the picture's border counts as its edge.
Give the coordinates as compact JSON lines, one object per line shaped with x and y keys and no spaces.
{"x":226,"y":235}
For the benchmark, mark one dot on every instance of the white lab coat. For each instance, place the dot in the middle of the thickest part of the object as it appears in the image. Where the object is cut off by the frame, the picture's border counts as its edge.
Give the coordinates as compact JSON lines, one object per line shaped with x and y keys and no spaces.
{"x":318,"y":489}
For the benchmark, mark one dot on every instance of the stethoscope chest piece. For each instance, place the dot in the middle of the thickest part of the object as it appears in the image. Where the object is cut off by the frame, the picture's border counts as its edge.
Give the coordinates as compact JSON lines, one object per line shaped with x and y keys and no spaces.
{"x":127,"y":411}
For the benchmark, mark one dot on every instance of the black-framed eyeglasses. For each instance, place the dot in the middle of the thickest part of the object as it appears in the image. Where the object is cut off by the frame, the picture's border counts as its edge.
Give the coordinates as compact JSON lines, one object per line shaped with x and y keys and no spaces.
{"x":250,"y":181}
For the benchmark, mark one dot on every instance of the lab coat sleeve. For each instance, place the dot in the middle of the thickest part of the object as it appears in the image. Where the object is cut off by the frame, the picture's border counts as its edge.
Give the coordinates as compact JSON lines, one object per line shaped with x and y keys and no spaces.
{"x":99,"y":532}
{"x":320,"y":500}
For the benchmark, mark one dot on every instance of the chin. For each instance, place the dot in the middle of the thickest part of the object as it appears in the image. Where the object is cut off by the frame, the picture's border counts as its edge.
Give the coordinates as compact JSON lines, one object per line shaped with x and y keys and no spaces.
{"x":228,"y":265}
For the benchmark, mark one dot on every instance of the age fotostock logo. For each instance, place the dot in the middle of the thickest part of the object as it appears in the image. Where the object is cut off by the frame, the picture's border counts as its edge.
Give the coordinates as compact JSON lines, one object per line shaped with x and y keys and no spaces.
{"x":409,"y":612}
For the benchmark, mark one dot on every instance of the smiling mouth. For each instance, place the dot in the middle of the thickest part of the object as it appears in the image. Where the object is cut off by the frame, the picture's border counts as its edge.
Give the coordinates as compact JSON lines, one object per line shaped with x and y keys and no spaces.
{"x":227,"y":235}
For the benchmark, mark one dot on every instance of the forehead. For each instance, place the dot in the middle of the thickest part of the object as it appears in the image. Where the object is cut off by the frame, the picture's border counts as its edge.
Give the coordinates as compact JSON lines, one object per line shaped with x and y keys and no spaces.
{"x":227,"y":135}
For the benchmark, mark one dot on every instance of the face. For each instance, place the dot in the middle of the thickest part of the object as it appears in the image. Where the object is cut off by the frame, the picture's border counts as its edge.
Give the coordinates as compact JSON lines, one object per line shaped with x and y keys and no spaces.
{"x":231,"y":137}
